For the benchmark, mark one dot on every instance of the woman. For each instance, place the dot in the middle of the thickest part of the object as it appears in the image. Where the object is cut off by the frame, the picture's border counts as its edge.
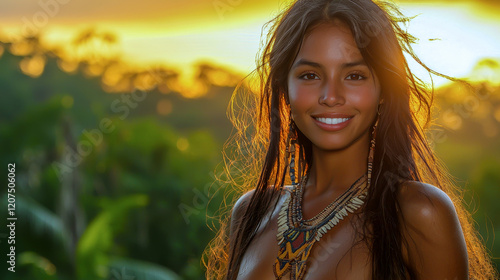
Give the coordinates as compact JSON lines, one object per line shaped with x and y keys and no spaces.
{"x":342,"y":114}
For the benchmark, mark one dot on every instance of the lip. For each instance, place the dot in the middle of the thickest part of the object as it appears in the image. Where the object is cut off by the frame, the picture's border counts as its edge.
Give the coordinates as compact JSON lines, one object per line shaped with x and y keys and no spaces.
{"x":332,"y":115}
{"x":332,"y":127}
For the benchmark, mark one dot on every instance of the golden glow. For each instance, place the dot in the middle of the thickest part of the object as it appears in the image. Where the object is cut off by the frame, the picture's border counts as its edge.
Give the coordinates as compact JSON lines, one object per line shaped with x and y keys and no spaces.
{"x":452,"y":120}
{"x":144,"y":81}
{"x":497,"y":113}
{"x":193,"y":90}
{"x":67,"y":66}
{"x":180,"y":34}
{"x":93,"y":70}
{"x":453,"y":38}
{"x":112,"y":75}
{"x":33,"y":66}
{"x":21,"y":48}
{"x":487,"y":69}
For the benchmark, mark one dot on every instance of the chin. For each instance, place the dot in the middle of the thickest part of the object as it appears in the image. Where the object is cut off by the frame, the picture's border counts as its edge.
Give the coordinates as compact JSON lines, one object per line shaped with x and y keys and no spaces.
{"x":332,"y":146}
{"x":338,"y":142}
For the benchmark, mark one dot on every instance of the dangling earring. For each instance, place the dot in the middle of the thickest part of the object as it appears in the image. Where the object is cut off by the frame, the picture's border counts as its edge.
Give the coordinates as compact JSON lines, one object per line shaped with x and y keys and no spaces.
{"x":290,"y":151}
{"x":371,"y":153}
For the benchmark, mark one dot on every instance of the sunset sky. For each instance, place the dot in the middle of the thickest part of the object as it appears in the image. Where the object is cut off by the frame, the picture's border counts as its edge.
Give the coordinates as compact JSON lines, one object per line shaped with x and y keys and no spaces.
{"x":227,"y":32}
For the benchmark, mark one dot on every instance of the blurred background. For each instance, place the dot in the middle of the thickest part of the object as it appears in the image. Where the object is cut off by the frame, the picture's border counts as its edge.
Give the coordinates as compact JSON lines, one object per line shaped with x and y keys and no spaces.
{"x":114,"y":114}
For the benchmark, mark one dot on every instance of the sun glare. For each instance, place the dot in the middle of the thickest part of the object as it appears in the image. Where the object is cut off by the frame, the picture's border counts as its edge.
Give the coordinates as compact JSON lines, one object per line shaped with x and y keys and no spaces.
{"x":453,"y":39}
{"x":456,"y":39}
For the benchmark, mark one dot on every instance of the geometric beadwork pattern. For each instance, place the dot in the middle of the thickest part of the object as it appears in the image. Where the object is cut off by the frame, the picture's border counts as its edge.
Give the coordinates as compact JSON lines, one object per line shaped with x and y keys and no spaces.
{"x":294,"y":251}
{"x":296,"y":238}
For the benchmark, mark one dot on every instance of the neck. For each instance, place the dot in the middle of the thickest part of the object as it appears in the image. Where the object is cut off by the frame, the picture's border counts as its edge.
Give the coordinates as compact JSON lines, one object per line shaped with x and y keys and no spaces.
{"x":337,"y":170}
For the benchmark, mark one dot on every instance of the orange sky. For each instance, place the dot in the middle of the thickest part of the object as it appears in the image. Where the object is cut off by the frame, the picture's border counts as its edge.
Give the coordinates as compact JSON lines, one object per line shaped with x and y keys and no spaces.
{"x":227,"y":32}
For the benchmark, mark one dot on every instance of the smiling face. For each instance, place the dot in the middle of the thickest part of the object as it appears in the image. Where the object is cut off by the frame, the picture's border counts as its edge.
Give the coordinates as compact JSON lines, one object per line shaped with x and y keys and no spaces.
{"x":332,"y":92}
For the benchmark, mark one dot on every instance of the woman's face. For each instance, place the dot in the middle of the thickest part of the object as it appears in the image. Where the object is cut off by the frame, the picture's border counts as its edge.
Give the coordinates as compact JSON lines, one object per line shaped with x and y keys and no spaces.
{"x":332,"y":93}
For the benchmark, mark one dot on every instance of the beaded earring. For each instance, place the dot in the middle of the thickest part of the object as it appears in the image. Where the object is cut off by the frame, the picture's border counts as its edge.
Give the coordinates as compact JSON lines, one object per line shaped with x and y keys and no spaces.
{"x":371,"y":153}
{"x":290,"y":151}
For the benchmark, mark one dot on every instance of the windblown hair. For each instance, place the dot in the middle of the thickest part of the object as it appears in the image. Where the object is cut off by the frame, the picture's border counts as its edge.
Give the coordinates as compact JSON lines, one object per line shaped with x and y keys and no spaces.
{"x":255,"y":159}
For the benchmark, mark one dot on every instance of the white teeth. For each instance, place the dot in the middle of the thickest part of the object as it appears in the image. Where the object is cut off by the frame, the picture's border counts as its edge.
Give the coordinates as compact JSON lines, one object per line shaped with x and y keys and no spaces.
{"x":332,"y":120}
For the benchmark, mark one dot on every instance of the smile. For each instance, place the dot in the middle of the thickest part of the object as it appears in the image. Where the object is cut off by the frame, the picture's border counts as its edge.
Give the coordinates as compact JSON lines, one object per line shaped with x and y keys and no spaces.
{"x":332,"y":120}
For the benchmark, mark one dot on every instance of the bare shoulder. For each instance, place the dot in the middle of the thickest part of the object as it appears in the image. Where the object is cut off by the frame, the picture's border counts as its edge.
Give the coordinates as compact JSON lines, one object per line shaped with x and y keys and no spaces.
{"x":239,"y":209}
{"x":423,"y":203}
{"x":242,"y":202}
{"x":436,"y":246}
{"x":241,"y":205}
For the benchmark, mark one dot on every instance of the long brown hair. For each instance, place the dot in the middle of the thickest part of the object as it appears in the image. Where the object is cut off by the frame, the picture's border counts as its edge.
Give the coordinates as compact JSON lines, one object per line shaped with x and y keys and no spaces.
{"x":402,"y":151}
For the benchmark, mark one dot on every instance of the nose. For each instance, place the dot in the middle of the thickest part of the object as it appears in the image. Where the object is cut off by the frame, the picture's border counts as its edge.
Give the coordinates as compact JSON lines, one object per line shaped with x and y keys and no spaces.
{"x":332,"y":94}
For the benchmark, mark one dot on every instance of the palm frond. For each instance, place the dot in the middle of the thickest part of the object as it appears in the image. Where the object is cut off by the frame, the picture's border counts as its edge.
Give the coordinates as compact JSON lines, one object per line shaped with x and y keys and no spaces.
{"x":130,"y":269}
{"x":39,"y":219}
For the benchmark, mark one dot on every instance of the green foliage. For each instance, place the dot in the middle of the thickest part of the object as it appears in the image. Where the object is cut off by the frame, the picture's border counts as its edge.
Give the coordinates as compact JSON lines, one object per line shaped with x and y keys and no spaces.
{"x":132,"y":269}
{"x":38,"y":266}
{"x":117,"y":201}
{"x":96,"y":241}
{"x":41,"y":221}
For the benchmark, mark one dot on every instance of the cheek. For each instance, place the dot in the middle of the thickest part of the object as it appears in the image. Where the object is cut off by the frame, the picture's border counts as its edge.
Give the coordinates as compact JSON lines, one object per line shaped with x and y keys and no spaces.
{"x":301,"y":97}
{"x":365,"y":98}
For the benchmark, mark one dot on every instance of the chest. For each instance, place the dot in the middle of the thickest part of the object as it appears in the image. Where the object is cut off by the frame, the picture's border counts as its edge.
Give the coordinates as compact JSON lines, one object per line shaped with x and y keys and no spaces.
{"x":335,"y":256}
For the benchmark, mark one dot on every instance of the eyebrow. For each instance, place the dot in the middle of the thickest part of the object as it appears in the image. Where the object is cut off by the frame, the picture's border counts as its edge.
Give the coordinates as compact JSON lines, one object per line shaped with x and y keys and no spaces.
{"x":303,"y":61}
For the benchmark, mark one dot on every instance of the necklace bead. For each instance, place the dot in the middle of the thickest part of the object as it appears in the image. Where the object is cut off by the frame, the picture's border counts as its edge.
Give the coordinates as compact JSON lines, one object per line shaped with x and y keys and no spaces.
{"x":297,"y":236}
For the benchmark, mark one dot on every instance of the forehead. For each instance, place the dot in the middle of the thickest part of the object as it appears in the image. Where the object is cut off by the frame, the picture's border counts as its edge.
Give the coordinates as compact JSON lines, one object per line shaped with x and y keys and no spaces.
{"x":330,"y":42}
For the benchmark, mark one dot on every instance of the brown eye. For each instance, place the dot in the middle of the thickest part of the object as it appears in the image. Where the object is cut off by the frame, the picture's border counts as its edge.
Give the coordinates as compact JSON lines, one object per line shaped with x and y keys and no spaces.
{"x":355,"y":77}
{"x":308,"y":76}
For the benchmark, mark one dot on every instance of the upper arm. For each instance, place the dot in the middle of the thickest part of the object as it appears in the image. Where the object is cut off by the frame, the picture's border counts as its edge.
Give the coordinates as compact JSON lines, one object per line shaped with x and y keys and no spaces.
{"x":435,"y":247}
{"x":239,"y":209}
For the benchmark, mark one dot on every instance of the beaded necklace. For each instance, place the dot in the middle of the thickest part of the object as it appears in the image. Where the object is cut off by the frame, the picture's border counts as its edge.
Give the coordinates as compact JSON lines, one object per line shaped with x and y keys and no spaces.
{"x":296,"y":236}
